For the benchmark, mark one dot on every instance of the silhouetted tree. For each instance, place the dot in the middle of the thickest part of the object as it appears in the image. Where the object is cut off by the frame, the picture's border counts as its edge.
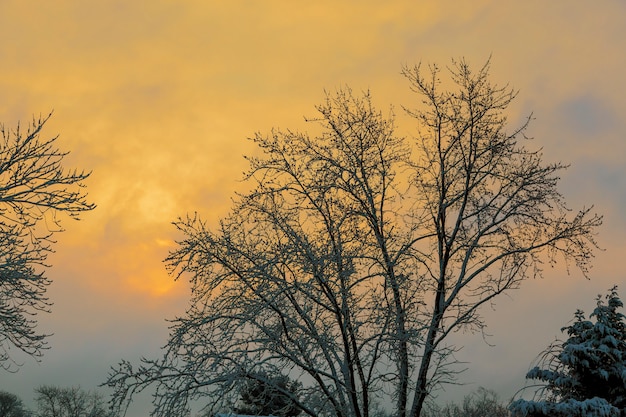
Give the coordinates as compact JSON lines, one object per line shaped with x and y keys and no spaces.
{"x":55,"y":401}
{"x":265,"y":395}
{"x":350,"y":262}
{"x":482,"y":403}
{"x":585,"y":376}
{"x":11,"y":406}
{"x":34,"y":189}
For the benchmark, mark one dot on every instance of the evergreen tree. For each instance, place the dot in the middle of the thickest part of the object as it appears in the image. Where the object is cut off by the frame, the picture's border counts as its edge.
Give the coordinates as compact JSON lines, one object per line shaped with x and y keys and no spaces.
{"x":12,"y":406}
{"x":586,"y":374}
{"x":263,"y":395}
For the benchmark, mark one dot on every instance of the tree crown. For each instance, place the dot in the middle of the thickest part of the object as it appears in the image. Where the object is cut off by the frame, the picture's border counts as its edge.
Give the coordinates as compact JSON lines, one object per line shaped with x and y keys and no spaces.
{"x":586,"y":373}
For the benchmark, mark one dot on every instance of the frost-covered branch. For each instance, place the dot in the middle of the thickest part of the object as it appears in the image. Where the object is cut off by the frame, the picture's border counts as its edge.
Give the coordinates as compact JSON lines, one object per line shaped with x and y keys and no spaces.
{"x":352,"y":259}
{"x":34,"y":189}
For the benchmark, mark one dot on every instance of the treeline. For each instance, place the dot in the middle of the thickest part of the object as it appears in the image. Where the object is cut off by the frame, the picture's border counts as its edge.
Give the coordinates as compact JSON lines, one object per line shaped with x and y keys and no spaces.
{"x":54,"y":401}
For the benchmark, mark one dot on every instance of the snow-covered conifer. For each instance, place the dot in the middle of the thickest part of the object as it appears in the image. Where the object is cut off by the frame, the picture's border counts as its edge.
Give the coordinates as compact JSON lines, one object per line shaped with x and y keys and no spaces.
{"x":586,"y":374}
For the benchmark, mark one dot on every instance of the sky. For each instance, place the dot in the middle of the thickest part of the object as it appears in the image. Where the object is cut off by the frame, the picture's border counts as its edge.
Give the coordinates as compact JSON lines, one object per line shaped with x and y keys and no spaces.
{"x":157,"y":98}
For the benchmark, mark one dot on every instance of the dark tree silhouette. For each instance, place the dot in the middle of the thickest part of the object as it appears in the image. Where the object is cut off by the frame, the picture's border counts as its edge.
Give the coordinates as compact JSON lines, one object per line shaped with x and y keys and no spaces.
{"x":481,"y":403}
{"x":584,"y":376}
{"x":34,"y":189}
{"x":53,"y":401}
{"x":352,"y":260}
{"x":11,"y":406}
{"x":264,"y":395}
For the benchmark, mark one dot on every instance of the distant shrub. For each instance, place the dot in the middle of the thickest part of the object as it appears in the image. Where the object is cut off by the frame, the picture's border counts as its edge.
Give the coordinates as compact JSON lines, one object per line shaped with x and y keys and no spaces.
{"x":481,"y":403}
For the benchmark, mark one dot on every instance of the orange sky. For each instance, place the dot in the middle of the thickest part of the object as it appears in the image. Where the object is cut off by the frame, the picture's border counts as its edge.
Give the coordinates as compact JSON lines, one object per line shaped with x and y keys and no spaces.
{"x":158,"y":97}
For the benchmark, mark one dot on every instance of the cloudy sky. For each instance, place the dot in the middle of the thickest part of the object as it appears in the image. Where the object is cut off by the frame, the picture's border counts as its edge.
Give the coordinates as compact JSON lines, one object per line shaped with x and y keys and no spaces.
{"x":157,"y":98}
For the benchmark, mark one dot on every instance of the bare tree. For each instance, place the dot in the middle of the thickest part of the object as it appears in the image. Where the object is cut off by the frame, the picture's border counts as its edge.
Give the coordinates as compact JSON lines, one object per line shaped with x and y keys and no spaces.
{"x":34,"y":188}
{"x":480,"y":403}
{"x":491,"y":205}
{"x":351,"y":261}
{"x":55,"y":401}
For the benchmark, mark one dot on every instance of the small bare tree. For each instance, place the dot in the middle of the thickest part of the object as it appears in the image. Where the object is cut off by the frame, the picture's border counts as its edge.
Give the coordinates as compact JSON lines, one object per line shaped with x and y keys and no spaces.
{"x":480,"y":403}
{"x":34,"y":188}
{"x":350,"y":262}
{"x":53,"y":401}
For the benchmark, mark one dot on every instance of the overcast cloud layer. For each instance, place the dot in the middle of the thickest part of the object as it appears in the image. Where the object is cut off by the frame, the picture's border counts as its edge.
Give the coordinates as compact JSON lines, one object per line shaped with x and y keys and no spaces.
{"x":158,"y":97}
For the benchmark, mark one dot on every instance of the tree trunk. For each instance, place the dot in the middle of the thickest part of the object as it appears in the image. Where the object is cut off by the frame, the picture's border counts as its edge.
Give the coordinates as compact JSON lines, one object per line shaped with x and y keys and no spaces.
{"x":422,"y":380}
